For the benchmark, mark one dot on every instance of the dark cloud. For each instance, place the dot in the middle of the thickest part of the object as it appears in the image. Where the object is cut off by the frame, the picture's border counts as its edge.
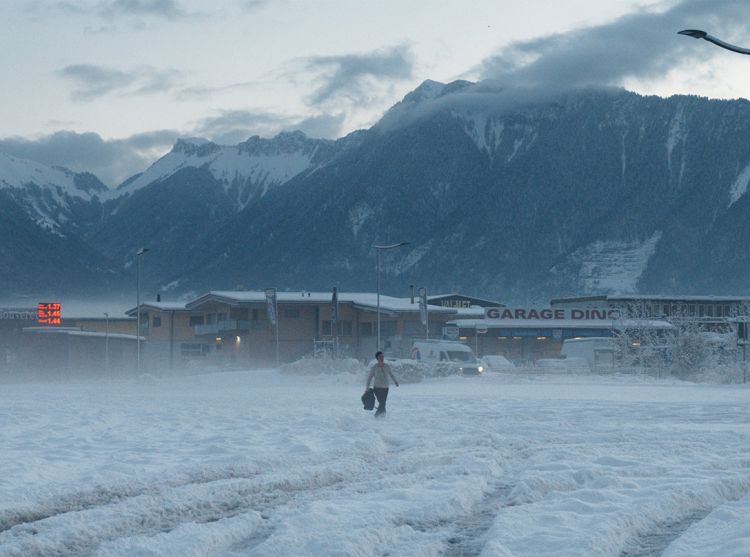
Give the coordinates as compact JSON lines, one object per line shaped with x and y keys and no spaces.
{"x":234,"y":126}
{"x":204,"y":92}
{"x":167,"y":9}
{"x":115,"y":160}
{"x":358,"y":78}
{"x":136,"y":12}
{"x":323,"y":125}
{"x":95,"y":81}
{"x":252,"y":5}
{"x":111,"y":160}
{"x":230,"y":127}
{"x":640,"y":45}
{"x":92,"y":81}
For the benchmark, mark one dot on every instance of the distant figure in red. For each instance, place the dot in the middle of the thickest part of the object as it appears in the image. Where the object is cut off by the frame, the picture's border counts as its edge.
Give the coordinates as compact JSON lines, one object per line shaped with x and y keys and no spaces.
{"x":380,"y":376}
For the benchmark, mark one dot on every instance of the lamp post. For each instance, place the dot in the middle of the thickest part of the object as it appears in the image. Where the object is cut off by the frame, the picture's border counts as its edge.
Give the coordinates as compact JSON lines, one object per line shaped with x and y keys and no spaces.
{"x":106,"y":342}
{"x":698,"y":34}
{"x":138,"y":255}
{"x":380,"y":249}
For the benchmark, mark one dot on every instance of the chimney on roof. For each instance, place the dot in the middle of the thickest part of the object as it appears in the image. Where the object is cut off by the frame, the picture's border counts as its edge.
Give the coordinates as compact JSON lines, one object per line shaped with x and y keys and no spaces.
{"x":411,"y":289}
{"x":158,"y":297}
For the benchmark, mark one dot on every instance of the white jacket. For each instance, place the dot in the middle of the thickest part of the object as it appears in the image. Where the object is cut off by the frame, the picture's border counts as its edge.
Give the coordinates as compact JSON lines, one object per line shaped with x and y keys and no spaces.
{"x":379,"y":376}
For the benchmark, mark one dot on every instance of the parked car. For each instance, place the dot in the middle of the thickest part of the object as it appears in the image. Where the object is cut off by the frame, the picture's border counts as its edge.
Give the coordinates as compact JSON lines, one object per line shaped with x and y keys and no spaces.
{"x":562,"y":365}
{"x":599,"y":352}
{"x":499,"y":364}
{"x":447,"y":353}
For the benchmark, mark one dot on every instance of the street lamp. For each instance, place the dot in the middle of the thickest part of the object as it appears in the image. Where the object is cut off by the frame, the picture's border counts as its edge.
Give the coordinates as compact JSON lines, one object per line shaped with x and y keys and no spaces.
{"x":698,"y":34}
{"x":106,"y":342}
{"x":380,"y":249}
{"x":138,"y":255}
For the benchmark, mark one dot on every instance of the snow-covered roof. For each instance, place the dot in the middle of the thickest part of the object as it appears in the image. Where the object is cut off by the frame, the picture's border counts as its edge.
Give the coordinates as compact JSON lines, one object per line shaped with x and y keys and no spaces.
{"x":470,"y":312}
{"x":158,"y":306}
{"x":76,"y":332}
{"x":562,"y":323}
{"x":649,"y":298}
{"x":360,"y":300}
{"x":465,"y":296}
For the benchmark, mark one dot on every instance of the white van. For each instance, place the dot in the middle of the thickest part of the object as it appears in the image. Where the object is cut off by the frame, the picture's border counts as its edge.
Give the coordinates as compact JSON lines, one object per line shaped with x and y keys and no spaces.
{"x":599,"y":352}
{"x":451,"y":352}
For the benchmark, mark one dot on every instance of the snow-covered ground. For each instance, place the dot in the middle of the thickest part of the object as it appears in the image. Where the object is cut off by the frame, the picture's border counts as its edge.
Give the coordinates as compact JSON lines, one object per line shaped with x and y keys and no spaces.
{"x":260,"y":463}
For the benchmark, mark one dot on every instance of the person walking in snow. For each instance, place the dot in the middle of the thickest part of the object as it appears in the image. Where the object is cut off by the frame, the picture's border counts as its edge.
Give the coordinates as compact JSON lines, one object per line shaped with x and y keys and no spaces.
{"x":380,"y":376}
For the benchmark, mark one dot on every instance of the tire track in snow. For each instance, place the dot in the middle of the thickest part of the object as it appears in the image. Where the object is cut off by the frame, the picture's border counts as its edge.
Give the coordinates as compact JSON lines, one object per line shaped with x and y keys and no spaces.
{"x":106,"y":495}
{"x":654,"y":541}
{"x":470,"y":530}
{"x":81,"y":532}
{"x":86,"y":520}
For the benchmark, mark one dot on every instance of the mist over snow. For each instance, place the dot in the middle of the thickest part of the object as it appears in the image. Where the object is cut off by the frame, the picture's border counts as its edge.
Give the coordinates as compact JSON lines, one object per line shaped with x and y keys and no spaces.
{"x":262,"y":463}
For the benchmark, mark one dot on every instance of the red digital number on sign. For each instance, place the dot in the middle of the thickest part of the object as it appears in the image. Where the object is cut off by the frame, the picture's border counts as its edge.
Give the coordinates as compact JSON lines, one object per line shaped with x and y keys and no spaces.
{"x":49,"y":313}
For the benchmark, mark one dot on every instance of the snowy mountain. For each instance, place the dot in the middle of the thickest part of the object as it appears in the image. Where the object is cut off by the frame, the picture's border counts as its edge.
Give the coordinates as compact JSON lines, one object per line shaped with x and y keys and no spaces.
{"x":43,"y":214}
{"x":245,"y":172}
{"x":519,"y":196}
{"x":54,"y":198}
{"x":181,"y":203}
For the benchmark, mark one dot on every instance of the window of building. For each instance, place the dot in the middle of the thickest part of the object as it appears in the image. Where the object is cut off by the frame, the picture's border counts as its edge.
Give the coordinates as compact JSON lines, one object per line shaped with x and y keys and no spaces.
{"x":238,"y":314}
{"x":709,"y":310}
{"x":292,"y":313}
{"x":255,"y":315}
{"x":196,"y":320}
{"x":210,"y":319}
{"x":157,"y":321}
{"x":387,"y":328}
{"x":413,"y":328}
{"x":344,"y":328}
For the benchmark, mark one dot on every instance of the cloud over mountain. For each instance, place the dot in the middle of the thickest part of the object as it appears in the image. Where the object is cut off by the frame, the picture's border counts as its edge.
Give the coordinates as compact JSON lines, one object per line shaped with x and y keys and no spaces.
{"x":643,"y":45}
{"x":92,"y":81}
{"x":111,"y":160}
{"x":358,"y":77}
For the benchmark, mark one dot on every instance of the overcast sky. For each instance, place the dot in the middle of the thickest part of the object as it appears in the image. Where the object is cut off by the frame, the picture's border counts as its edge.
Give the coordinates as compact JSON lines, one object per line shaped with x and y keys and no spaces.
{"x":108,"y":85}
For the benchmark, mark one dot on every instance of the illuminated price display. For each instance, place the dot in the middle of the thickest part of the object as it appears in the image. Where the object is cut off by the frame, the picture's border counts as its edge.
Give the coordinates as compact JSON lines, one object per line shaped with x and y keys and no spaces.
{"x":49,"y":313}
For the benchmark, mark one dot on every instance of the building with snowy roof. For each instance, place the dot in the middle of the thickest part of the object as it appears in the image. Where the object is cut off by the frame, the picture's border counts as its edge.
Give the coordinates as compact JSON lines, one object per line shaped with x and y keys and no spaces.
{"x":235,"y":328}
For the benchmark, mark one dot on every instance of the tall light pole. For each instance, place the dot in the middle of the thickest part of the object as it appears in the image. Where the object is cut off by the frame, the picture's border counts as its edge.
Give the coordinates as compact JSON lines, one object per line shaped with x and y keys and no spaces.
{"x":698,"y":34}
{"x":138,"y":255}
{"x":380,"y":249}
{"x":106,"y":342}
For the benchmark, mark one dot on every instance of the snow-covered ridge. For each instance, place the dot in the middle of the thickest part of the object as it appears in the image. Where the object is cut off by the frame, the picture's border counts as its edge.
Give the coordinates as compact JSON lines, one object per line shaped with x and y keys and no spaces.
{"x":249,"y":169}
{"x":610,"y":266}
{"x":19,"y":173}
{"x":46,"y":193}
{"x":739,"y":187}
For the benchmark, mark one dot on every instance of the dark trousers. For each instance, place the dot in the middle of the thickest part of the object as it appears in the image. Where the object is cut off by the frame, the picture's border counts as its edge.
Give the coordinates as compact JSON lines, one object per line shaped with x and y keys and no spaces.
{"x":381,"y":394}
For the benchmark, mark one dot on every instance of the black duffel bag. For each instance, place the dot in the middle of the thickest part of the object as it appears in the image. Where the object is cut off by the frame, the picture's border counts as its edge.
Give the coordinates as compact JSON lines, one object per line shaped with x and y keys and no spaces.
{"x":368,"y":399}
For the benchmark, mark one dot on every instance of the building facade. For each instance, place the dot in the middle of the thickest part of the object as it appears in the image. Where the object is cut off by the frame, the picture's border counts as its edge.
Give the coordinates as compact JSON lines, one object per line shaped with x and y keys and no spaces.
{"x":236,"y":328}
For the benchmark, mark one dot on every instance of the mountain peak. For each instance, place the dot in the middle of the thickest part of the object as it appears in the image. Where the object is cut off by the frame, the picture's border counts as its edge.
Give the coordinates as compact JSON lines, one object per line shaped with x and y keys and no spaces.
{"x":195,"y":146}
{"x":285,"y":141}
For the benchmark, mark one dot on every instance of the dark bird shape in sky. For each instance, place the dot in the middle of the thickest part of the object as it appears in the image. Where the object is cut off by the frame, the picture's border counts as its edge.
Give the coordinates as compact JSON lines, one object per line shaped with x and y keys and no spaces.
{"x":698,"y":34}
